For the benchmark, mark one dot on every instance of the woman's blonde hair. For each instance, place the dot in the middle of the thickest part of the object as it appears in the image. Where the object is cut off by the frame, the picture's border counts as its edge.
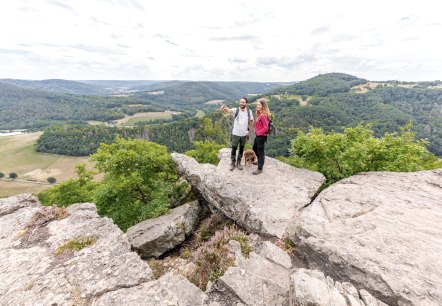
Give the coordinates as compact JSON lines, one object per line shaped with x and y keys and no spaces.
{"x":265,"y":108}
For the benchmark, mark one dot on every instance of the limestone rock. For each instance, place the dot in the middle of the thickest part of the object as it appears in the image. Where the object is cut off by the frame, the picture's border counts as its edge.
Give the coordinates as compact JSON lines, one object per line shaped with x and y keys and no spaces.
{"x":266,"y":203}
{"x":170,"y":289}
{"x":153,"y":237}
{"x":256,"y":280}
{"x":39,"y":267}
{"x":381,"y":231}
{"x":311,"y":287}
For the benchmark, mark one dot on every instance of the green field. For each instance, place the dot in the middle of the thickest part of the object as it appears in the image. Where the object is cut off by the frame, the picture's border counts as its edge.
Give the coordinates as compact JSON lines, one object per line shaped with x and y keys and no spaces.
{"x":17,"y":155}
{"x":138,"y":117}
{"x":145,"y":117}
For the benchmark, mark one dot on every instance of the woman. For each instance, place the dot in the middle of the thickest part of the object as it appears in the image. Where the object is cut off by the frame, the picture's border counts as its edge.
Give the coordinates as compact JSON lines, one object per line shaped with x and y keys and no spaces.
{"x":261,"y":129}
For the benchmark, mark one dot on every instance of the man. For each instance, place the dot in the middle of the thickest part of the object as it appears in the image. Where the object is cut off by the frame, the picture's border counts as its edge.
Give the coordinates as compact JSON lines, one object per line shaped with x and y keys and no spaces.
{"x":242,"y":125}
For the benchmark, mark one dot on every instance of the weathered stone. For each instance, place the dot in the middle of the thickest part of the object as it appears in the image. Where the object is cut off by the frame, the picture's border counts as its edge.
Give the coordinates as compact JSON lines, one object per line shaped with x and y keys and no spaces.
{"x":256,"y":280}
{"x":46,"y":271}
{"x":265,"y":203}
{"x":271,"y":252}
{"x":381,"y":231}
{"x":170,"y":289}
{"x":311,"y":287}
{"x":154,"y":237}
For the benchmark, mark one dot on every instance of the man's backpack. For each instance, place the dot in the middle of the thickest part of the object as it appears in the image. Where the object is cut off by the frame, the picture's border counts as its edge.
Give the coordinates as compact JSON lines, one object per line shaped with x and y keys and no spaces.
{"x":248,"y":116}
{"x":248,"y":113}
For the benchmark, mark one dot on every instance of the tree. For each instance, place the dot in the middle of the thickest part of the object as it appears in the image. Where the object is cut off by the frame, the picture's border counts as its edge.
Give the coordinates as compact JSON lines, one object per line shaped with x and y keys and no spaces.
{"x":72,"y":191}
{"x":51,"y":180}
{"x":338,"y":156}
{"x":13,"y":175}
{"x":205,"y":152}
{"x":139,"y":179}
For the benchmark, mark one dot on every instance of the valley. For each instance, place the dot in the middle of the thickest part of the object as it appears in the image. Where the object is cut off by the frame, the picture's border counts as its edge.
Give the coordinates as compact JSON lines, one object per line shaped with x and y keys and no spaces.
{"x":32,"y":168}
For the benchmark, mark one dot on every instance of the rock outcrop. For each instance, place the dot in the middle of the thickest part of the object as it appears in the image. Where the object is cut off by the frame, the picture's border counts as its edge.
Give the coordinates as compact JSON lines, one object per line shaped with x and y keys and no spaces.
{"x":381,"y":231}
{"x":53,"y":256}
{"x":154,"y":237}
{"x":265,"y":204}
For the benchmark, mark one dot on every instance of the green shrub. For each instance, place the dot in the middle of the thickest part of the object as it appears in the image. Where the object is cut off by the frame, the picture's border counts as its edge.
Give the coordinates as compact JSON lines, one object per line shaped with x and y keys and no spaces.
{"x":51,"y":180}
{"x":338,"y":156}
{"x":205,"y":152}
{"x":72,"y":191}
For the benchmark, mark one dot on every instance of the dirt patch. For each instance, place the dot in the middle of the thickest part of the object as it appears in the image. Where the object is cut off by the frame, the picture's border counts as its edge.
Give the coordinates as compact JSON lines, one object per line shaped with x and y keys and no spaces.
{"x":303,"y":102}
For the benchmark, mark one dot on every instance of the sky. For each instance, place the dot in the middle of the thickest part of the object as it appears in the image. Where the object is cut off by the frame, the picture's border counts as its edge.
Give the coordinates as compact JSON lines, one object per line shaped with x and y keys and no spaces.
{"x":229,"y":40}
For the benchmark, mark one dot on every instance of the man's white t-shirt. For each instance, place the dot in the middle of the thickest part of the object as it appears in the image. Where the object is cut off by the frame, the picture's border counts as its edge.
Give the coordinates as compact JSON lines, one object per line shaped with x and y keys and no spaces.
{"x":240,"y":124}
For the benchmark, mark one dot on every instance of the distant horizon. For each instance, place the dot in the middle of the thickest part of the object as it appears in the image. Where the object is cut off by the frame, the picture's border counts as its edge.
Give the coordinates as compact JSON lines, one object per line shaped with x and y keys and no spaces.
{"x":184,"y":80}
{"x":220,"y":41}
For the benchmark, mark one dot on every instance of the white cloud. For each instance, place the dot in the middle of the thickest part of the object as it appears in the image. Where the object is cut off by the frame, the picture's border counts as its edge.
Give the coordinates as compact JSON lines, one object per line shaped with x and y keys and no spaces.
{"x":280,"y":40}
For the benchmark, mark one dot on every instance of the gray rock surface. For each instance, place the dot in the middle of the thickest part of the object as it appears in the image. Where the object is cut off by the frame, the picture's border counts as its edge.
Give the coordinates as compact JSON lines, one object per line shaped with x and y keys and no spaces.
{"x":170,"y":289}
{"x":266,"y":203}
{"x":39,"y":265}
{"x":259,"y":279}
{"x":381,"y":231}
{"x":311,"y":287}
{"x":154,"y":237}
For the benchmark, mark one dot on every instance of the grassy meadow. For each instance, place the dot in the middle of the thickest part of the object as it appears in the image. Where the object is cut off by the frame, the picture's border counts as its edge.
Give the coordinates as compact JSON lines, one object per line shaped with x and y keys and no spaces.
{"x":17,"y":155}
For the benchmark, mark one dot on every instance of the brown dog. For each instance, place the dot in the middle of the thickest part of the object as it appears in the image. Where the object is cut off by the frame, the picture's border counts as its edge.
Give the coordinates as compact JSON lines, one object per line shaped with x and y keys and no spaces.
{"x":249,"y":157}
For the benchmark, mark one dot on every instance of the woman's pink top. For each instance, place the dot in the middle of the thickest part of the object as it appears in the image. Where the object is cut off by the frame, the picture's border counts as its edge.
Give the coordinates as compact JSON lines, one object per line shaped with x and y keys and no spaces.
{"x":261,"y":125}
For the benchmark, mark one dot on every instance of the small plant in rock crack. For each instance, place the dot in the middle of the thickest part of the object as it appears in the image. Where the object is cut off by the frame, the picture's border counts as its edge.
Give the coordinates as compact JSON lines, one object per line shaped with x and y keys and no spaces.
{"x":214,"y":256}
{"x":76,"y":244}
{"x":46,"y":215}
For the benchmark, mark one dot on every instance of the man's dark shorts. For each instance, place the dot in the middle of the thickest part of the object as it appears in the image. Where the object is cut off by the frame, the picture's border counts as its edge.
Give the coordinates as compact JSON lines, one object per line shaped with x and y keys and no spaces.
{"x":238,"y":140}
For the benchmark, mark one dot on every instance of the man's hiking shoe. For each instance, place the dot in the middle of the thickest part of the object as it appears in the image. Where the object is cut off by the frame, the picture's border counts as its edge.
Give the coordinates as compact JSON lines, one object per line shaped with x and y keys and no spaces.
{"x":239,"y":166}
{"x":257,"y":171}
{"x":232,"y":166}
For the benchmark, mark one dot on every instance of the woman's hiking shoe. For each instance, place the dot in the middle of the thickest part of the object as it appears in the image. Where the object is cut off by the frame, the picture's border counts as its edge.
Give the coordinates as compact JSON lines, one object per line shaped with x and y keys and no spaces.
{"x":232,"y":166}
{"x":239,"y":166}
{"x":257,"y":171}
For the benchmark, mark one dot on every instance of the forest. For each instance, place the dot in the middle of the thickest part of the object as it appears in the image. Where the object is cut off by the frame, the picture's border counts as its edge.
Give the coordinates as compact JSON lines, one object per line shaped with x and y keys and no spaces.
{"x":331,"y":101}
{"x":22,"y":108}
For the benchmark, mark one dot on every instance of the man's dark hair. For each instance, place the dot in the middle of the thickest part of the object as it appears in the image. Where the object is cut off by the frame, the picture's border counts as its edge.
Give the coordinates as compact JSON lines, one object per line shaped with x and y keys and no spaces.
{"x":244,"y":99}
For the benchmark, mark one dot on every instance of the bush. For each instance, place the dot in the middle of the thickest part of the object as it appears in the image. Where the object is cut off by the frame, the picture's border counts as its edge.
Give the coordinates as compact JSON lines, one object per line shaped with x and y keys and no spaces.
{"x":338,"y":156}
{"x":139,"y":181}
{"x":205,"y":152}
{"x":13,"y":175}
{"x":72,"y":191}
{"x":2,"y":175}
{"x":51,"y":180}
